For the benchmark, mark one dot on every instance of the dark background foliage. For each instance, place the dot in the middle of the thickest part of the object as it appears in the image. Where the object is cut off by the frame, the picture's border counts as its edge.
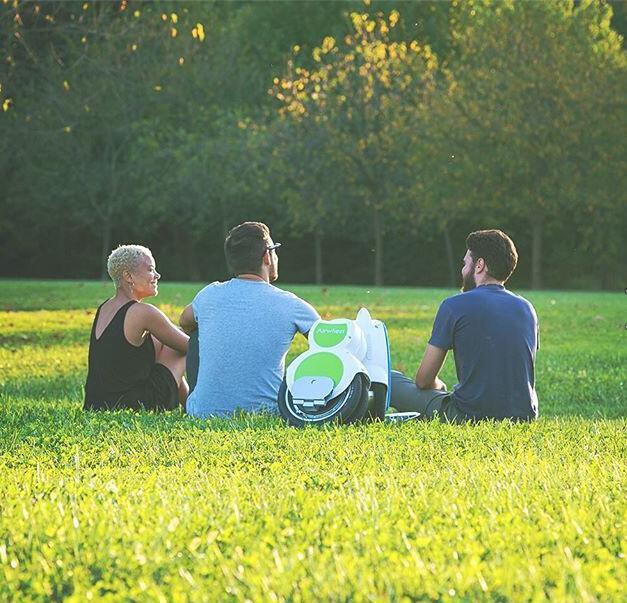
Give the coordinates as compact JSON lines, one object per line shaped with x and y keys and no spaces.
{"x":166,"y":123}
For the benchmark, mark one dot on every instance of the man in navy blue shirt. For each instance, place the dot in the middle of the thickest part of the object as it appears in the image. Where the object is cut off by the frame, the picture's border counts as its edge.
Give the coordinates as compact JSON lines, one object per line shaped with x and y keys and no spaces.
{"x":494,"y":336}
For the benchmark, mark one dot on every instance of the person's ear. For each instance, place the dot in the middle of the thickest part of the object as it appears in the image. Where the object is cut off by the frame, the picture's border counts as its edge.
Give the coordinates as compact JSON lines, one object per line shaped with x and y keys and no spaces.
{"x":480,"y":266}
{"x":127,"y":276}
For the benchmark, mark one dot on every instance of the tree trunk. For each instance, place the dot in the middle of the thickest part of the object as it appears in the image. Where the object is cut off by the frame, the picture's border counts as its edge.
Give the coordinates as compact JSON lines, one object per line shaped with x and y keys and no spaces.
{"x":606,"y":278}
{"x":185,"y":245}
{"x":318,"y":254}
{"x":225,"y":228}
{"x":378,"y":248}
{"x":106,"y":247}
{"x":452,"y":277}
{"x":225,"y":232}
{"x":537,"y":227}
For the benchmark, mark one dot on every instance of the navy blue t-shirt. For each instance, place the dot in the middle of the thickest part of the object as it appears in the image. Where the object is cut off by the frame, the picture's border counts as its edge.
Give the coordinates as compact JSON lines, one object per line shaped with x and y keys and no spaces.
{"x":494,"y":336}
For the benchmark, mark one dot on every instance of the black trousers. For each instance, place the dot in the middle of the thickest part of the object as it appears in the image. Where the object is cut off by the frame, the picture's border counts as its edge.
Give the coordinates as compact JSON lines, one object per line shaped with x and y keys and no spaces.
{"x":192,"y":361}
{"x":430,"y":403}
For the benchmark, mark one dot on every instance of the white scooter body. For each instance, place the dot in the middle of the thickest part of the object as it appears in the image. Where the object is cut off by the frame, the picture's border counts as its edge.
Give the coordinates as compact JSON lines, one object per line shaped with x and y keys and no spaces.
{"x":339,"y":350}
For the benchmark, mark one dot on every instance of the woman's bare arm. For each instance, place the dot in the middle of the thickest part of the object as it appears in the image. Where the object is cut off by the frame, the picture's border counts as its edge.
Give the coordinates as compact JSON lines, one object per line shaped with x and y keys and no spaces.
{"x":148,"y":318}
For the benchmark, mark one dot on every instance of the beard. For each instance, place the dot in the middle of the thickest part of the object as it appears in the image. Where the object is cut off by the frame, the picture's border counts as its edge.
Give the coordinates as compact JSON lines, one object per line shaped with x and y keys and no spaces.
{"x":468,"y":281}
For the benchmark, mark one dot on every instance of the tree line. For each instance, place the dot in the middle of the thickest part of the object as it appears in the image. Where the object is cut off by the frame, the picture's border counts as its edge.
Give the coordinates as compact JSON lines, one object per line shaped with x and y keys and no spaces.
{"x":371,"y":137}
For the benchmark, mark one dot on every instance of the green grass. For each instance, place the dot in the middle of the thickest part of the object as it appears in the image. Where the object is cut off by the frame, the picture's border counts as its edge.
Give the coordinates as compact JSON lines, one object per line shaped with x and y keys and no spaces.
{"x":141,"y":507}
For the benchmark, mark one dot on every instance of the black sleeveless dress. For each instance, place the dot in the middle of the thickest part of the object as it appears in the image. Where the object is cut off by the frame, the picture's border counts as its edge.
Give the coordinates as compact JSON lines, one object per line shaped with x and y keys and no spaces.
{"x":121,"y":375}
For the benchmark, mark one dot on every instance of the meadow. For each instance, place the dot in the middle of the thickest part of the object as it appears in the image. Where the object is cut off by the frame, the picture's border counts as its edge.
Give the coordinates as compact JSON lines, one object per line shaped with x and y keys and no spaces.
{"x":126,"y":506}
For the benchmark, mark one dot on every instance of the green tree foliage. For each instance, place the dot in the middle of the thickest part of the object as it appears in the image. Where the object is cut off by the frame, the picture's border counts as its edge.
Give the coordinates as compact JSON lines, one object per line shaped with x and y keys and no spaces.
{"x":386,"y":131}
{"x":363,"y":91}
{"x":311,"y":183}
{"x":529,"y":118}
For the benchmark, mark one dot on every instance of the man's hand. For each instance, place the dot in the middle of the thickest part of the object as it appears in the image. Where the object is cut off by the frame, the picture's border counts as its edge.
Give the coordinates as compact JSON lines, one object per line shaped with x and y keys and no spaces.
{"x":427,"y":375}
{"x":439,"y":384}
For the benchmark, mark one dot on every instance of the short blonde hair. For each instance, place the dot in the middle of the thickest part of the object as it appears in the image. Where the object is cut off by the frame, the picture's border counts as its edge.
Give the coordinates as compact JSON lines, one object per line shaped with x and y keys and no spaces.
{"x":125,"y":257}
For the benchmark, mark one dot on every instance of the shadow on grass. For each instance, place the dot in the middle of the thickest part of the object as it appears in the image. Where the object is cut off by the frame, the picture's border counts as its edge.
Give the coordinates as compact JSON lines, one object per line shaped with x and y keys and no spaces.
{"x":35,"y":416}
{"x":40,"y":417}
{"x":44,"y":389}
{"x":38,"y":396}
{"x":39,"y":434}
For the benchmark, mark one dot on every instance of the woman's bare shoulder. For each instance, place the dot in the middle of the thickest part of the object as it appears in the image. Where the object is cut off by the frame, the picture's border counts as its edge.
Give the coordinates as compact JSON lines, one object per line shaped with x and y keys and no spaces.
{"x":143,"y":312}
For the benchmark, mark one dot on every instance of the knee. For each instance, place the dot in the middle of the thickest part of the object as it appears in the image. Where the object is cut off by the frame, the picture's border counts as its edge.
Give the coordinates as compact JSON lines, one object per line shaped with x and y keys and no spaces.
{"x":183,"y":391}
{"x":399,"y":379}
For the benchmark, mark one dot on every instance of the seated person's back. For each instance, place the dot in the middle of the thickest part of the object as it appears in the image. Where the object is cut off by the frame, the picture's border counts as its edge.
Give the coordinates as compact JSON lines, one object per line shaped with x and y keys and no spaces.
{"x":494,"y":336}
{"x":245,"y":328}
{"x":136,"y":355}
{"x":493,"y":333}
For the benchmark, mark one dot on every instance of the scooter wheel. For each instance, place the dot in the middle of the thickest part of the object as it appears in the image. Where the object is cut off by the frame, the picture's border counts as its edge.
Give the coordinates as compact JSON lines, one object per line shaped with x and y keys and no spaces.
{"x":377,"y":409}
{"x":348,"y":407}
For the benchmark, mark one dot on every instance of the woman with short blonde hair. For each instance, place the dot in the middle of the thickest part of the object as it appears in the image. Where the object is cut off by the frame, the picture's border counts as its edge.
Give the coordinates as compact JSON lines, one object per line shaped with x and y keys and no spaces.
{"x":136,"y":354}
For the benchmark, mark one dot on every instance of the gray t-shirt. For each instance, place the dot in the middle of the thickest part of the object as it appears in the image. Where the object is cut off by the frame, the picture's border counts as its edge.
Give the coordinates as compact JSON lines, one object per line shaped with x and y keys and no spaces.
{"x":245,"y":329}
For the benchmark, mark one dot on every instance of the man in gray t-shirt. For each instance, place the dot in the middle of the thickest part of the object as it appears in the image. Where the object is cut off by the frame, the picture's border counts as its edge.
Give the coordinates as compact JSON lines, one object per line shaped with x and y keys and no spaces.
{"x":245,"y":328}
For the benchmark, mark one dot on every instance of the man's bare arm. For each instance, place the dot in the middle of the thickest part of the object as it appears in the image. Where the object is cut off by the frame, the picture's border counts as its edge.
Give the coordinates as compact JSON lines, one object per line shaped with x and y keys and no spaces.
{"x":432,"y":361}
{"x":188,"y":321}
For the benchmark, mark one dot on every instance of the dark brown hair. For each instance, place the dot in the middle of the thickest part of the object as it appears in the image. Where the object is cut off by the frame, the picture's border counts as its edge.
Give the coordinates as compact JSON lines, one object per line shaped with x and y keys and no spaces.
{"x":497,"y":250}
{"x":244,"y":247}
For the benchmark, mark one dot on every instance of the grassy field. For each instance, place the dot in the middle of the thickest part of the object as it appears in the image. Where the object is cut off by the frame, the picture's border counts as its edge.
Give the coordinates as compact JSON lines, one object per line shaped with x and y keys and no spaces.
{"x":140,"y":507}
